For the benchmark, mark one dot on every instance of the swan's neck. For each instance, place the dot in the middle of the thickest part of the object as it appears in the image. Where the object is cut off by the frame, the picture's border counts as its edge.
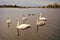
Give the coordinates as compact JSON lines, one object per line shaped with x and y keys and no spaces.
{"x":40,"y":15}
{"x":17,"y":23}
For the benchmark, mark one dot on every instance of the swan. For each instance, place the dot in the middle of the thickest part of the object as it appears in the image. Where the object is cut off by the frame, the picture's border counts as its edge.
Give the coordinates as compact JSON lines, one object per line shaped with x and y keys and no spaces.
{"x":22,"y":26}
{"x":24,"y":19}
{"x":8,"y":21}
{"x":42,"y":18}
{"x":41,"y":21}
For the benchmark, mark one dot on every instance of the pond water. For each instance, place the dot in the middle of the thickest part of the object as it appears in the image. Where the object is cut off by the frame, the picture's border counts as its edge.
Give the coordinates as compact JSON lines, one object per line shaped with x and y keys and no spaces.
{"x":50,"y":31}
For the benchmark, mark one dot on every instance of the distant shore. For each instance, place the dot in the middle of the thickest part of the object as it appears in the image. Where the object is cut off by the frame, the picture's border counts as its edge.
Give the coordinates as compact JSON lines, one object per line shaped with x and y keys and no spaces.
{"x":15,"y":6}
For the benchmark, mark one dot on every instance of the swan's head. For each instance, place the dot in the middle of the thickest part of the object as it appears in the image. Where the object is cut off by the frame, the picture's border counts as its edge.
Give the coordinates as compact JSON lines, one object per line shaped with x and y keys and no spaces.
{"x":17,"y":19}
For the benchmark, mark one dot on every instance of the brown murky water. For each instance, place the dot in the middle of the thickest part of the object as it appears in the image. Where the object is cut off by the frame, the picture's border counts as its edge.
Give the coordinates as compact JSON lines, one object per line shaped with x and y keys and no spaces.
{"x":50,"y":31}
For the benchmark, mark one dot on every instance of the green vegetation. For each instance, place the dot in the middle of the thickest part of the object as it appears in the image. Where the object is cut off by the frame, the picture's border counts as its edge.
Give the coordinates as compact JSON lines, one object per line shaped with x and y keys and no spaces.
{"x":15,"y":6}
{"x":53,"y":6}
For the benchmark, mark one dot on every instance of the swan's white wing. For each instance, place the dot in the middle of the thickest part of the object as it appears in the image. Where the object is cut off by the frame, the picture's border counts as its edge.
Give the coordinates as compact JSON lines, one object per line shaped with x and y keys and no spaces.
{"x":41,"y":23}
{"x":8,"y":21}
{"x":42,"y":18}
{"x":23,"y":26}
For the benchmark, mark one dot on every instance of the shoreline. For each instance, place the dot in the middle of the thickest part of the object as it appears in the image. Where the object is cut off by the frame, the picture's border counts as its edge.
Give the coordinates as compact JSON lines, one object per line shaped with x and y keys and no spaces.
{"x":15,"y":7}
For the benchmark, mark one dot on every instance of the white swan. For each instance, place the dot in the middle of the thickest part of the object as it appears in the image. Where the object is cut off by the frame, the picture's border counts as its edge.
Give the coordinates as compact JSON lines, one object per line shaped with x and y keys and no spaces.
{"x":24,"y":19}
{"x":22,"y":26}
{"x":42,"y":18}
{"x":41,"y":21}
{"x":8,"y":20}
